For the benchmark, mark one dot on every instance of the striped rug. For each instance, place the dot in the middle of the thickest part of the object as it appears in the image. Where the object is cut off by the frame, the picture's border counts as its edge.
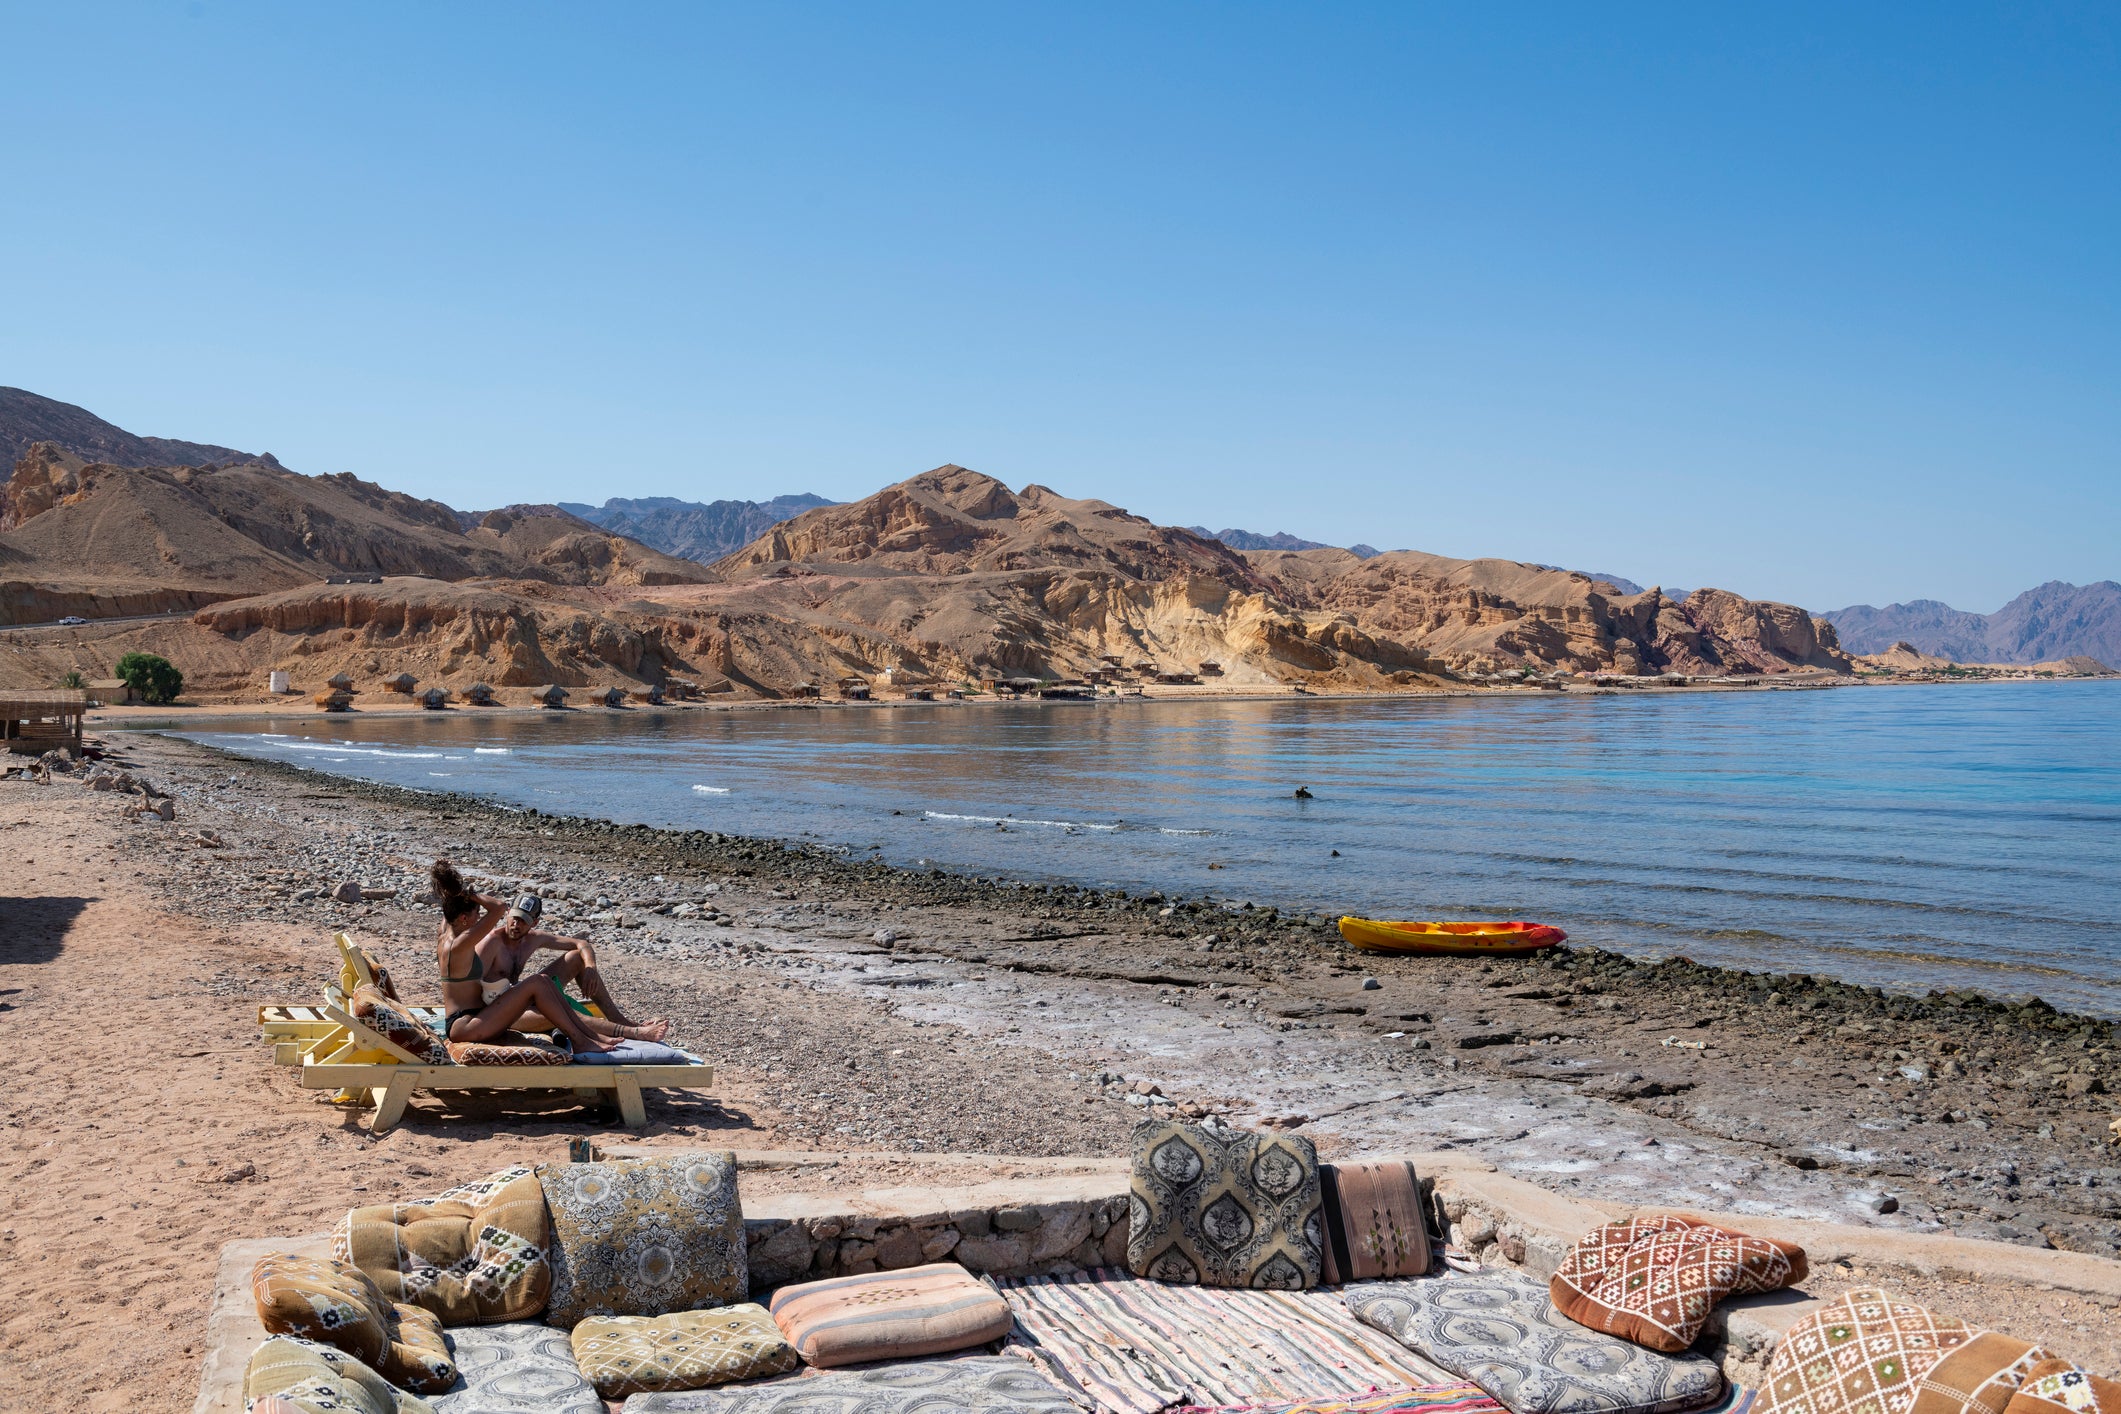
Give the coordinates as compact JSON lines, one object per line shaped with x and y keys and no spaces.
{"x":1133,"y":1346}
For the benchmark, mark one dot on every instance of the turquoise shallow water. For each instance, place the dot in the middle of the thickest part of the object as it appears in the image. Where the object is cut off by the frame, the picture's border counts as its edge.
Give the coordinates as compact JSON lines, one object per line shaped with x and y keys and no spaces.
{"x":1908,"y":837}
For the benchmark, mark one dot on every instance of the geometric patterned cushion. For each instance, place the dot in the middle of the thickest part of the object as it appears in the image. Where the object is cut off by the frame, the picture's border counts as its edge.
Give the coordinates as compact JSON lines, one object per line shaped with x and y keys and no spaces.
{"x":894,"y":1315}
{"x":399,"y":1026}
{"x":1499,"y":1330}
{"x":473,"y":1256}
{"x":1654,"y":1280}
{"x":514,"y":1048}
{"x":337,"y":1304}
{"x":1374,"y":1222}
{"x":515,"y":1367}
{"x":980,"y":1384}
{"x":1224,"y":1207}
{"x":2058,"y":1387}
{"x":1866,"y":1353}
{"x":644,"y":1237}
{"x":289,"y":1375}
{"x":624,"y":1355}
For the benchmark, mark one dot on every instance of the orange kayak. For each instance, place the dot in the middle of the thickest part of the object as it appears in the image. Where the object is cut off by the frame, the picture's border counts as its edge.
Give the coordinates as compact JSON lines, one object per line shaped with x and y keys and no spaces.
{"x":1476,"y":939}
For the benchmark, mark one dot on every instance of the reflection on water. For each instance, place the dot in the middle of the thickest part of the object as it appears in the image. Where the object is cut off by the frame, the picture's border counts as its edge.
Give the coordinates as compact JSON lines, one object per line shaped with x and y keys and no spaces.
{"x":1910,"y":837}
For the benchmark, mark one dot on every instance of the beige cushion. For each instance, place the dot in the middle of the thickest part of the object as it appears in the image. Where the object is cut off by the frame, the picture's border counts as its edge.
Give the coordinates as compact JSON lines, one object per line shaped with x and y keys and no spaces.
{"x":1866,"y":1350}
{"x":335,"y":1303}
{"x":288,"y":1375}
{"x":890,"y":1315}
{"x":473,"y":1256}
{"x":624,"y":1355}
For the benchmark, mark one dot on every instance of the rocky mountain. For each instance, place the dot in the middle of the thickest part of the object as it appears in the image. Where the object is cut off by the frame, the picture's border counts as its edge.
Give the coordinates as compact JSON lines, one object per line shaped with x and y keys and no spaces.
{"x":689,"y":529}
{"x":1280,"y":540}
{"x":26,"y":419}
{"x":2054,"y":621}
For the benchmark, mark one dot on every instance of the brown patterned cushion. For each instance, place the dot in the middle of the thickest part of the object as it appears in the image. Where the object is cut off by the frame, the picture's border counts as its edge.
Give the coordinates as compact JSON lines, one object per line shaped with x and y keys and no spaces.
{"x":288,"y":1375}
{"x":624,"y":1355}
{"x":1224,"y":1207}
{"x":1375,"y":1222}
{"x":334,"y":1303}
{"x":2058,"y":1387}
{"x":892,"y":1315}
{"x":1867,"y":1353}
{"x":369,"y":1006}
{"x":513,"y":1048}
{"x":644,"y":1237}
{"x":473,"y":1256}
{"x":1655,"y":1280}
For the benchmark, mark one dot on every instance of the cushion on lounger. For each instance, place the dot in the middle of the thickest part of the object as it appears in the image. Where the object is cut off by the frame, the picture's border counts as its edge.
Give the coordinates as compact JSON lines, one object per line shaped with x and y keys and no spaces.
{"x":2058,"y":1387}
{"x":636,"y":1053}
{"x":1654,"y":1280}
{"x":336,"y":1304}
{"x":624,"y":1355}
{"x":1224,"y":1207}
{"x":397,"y":1024}
{"x":1375,"y":1222}
{"x":644,"y":1237}
{"x":473,"y":1256}
{"x":1499,"y":1330}
{"x":508,"y":1369}
{"x":288,"y":1375}
{"x":1867,"y":1351}
{"x":893,"y":1315}
{"x":981,"y":1384}
{"x":515,"y":1048}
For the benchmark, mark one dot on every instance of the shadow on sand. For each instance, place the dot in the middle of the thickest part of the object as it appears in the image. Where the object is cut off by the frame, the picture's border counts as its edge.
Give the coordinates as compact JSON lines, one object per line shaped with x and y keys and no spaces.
{"x":34,"y":929}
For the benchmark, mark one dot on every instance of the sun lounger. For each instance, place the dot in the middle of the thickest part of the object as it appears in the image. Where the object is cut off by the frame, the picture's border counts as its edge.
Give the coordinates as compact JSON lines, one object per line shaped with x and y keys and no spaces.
{"x":334,"y":1050}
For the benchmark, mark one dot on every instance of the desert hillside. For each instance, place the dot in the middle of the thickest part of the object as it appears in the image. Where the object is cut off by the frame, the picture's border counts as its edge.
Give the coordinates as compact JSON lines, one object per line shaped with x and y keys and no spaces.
{"x":27,"y":418}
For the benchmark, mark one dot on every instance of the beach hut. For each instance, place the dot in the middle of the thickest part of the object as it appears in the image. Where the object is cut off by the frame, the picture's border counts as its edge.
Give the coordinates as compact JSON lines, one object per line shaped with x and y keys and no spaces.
{"x":335,"y":699}
{"x":612,"y":697}
{"x":920,"y":694}
{"x":435,"y":698}
{"x":112,"y":692}
{"x":401,"y":682}
{"x":853,"y":689}
{"x":551,"y":695}
{"x":32,"y":723}
{"x":805,"y":689}
{"x":651,"y":694}
{"x":276,"y":682}
{"x":340,"y":682}
{"x":478,"y":695}
{"x":1209,"y":668}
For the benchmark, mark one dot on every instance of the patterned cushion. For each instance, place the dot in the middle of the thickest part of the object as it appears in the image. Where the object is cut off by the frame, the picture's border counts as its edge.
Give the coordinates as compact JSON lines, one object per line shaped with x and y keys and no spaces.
{"x":2058,"y":1387}
{"x":1224,"y":1207}
{"x":287,"y":1375}
{"x":644,"y":1237}
{"x":980,"y":1384}
{"x":1499,"y":1330}
{"x":509,"y":1369}
{"x":336,"y":1304}
{"x":890,"y":1315}
{"x":1866,"y":1353}
{"x":1376,"y":1223}
{"x":515,"y":1048}
{"x":398,"y":1025}
{"x":1654,"y":1280}
{"x":1464,"y":1398}
{"x":473,"y":1256}
{"x":624,"y":1355}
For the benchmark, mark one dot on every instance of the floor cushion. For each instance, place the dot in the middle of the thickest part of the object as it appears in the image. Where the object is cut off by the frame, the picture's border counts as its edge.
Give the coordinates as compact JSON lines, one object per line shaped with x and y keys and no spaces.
{"x":1866,"y":1351}
{"x":1375,"y":1222}
{"x":624,"y":1355}
{"x":1655,"y":1280}
{"x":1499,"y":1330}
{"x":513,"y":1048}
{"x":516,"y":1367}
{"x":371,"y":1007}
{"x":337,"y":1304}
{"x":289,"y":1375}
{"x":979,"y":1384}
{"x":636,"y":1053}
{"x":894,"y":1315}
{"x":1214,"y":1206}
{"x":473,"y":1256}
{"x":644,"y":1237}
{"x":2058,"y":1387}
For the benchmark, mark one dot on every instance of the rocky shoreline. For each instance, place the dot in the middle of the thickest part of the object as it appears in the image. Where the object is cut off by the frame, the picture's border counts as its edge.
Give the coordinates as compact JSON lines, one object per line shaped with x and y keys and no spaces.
{"x":1576,"y":1067}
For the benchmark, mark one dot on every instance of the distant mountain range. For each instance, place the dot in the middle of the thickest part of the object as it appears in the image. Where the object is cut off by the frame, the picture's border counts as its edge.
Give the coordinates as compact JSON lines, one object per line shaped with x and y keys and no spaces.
{"x":2055,"y":620}
{"x":1280,"y":540}
{"x":692,"y":530}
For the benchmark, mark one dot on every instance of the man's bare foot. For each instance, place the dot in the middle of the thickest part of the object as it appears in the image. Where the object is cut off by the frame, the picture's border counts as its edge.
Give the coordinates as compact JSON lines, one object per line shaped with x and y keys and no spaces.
{"x":654,"y":1030}
{"x":591,"y":1042}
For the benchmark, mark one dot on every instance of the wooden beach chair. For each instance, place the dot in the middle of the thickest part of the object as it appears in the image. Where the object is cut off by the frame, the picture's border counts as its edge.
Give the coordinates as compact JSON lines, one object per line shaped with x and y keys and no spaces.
{"x":334,"y":1050}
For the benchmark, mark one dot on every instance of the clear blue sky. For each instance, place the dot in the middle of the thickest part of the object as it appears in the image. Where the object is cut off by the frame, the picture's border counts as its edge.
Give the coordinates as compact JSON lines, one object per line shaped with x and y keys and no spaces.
{"x":1818,"y":303}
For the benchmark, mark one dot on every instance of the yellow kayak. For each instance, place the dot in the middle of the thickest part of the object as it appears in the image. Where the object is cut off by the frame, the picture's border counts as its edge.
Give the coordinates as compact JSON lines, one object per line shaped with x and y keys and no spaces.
{"x":1473,"y":939}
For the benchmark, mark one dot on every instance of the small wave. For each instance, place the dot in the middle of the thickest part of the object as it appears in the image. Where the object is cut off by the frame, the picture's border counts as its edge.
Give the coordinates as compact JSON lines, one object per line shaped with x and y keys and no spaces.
{"x":441,"y":773}
{"x":1015,"y":820}
{"x":491,"y":750}
{"x":341,"y":751}
{"x":1167,"y":830}
{"x":712,"y":790}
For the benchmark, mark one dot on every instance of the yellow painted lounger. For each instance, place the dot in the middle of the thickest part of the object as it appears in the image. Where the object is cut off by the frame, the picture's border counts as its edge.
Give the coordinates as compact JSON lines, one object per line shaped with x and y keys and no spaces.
{"x":1463,"y":939}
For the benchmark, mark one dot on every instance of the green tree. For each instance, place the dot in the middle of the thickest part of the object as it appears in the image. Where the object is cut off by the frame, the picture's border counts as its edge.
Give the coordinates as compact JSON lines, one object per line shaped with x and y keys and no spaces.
{"x":156,"y":679}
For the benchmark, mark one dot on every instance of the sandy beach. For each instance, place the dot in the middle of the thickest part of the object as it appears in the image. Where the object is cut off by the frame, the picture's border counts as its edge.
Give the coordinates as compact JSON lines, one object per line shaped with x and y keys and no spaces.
{"x":859,"y":1008}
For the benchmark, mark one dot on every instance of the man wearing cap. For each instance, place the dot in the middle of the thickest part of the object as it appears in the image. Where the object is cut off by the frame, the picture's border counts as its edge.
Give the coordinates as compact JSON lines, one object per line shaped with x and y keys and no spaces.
{"x":518,"y":932}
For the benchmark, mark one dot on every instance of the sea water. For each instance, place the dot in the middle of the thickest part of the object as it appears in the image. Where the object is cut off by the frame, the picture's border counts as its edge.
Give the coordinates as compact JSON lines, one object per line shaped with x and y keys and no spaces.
{"x":1908,"y":837}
